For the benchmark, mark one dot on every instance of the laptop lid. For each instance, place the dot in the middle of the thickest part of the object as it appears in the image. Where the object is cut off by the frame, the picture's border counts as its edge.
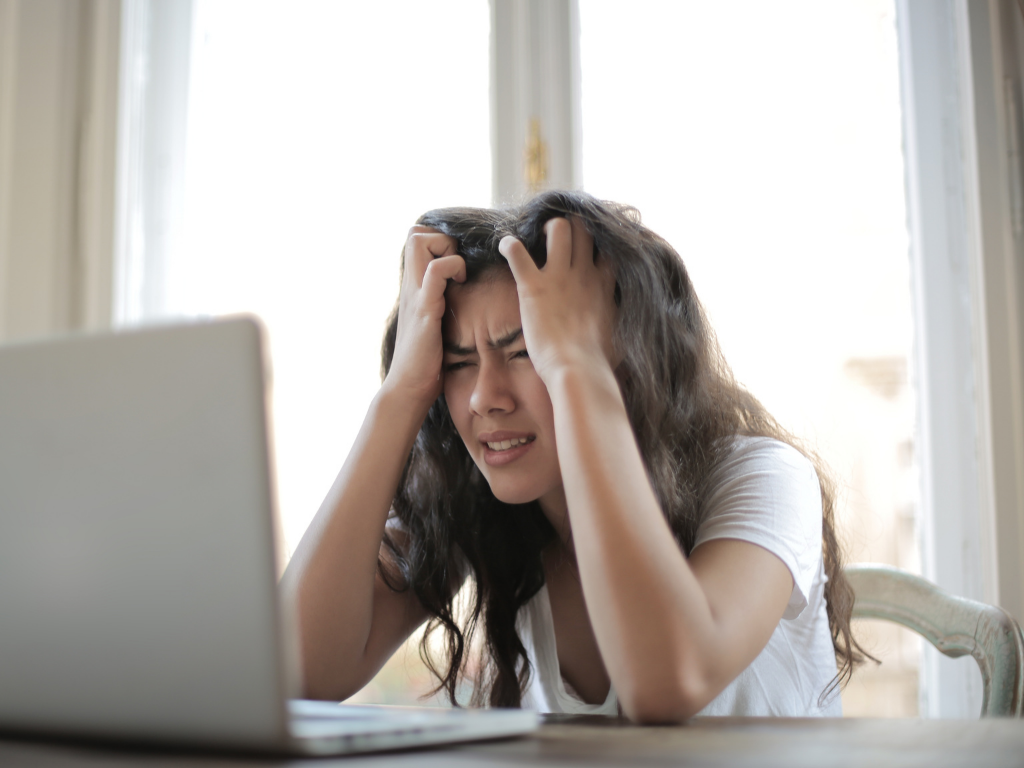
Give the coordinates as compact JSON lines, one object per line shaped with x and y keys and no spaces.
{"x":137,"y":550}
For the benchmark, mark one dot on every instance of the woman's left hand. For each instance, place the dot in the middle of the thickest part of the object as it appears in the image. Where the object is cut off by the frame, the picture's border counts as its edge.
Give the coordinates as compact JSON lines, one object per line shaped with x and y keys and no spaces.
{"x":568,"y":307}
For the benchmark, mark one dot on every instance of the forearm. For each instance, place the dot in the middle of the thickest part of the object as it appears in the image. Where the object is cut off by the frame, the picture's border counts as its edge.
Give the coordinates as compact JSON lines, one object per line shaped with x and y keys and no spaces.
{"x":331,"y":577}
{"x":652,"y":620}
{"x":672,"y":632}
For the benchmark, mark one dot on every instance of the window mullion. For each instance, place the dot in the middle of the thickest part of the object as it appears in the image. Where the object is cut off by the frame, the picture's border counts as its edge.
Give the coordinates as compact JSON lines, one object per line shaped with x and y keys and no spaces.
{"x":535,"y":97}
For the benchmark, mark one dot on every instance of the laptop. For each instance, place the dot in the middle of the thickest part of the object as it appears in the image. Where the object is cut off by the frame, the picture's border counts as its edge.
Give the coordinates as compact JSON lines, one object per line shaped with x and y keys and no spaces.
{"x":139,"y":554}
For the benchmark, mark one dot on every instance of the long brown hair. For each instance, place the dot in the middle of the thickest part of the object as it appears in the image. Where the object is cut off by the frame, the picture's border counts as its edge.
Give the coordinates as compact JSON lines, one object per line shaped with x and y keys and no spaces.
{"x":684,"y":406}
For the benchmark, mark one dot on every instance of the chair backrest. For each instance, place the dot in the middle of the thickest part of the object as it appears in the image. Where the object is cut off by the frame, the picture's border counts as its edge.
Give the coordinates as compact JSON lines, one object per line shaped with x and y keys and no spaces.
{"x":955,"y":625}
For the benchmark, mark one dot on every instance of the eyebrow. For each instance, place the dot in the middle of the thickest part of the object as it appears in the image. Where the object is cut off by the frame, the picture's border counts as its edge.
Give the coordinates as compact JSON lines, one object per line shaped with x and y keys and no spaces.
{"x":500,"y":343}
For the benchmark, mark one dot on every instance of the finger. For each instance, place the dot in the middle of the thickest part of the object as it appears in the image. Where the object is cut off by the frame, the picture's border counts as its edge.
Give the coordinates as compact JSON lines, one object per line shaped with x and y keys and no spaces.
{"x":608,"y":287}
{"x":440,"y":271}
{"x":606,"y":274}
{"x":422,"y":248}
{"x":518,"y":258}
{"x":559,"y":234}
{"x":582,"y":244}
{"x":420,"y":229}
{"x":407,"y":258}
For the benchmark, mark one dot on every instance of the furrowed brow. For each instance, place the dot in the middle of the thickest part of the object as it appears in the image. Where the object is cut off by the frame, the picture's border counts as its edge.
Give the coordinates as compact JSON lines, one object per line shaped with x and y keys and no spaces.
{"x":454,"y":349}
{"x":507,"y":340}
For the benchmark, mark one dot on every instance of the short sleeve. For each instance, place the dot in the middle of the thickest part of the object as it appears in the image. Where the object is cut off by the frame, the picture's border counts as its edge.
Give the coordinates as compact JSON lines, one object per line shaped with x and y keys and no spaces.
{"x":767,"y":493}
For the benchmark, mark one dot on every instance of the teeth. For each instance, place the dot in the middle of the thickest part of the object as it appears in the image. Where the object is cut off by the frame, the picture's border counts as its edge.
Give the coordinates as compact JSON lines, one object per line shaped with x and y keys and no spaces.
{"x":504,"y":445}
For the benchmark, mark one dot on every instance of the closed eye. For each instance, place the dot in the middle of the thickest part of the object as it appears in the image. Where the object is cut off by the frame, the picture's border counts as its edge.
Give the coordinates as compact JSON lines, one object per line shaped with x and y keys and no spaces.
{"x":456,"y":366}
{"x":520,"y":354}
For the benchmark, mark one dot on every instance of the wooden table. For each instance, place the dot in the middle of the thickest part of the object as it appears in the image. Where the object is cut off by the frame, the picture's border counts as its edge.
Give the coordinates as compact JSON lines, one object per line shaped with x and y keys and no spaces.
{"x":601,"y":742}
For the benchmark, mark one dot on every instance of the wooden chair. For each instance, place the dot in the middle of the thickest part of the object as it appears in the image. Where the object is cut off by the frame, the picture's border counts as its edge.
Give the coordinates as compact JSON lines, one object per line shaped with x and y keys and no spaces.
{"x":955,"y":625}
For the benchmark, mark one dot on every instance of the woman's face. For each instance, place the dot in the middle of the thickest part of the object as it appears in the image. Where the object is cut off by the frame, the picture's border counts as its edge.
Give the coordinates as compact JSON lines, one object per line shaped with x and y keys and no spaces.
{"x":498,"y":402}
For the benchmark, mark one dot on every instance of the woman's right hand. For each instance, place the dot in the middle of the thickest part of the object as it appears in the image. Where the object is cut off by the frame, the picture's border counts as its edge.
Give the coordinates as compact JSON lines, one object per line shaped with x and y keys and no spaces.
{"x":430,"y":261}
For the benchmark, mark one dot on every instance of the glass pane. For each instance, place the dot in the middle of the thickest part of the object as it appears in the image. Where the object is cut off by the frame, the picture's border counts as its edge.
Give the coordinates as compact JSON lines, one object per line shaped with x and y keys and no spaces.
{"x":763,"y":140}
{"x":318,"y":132}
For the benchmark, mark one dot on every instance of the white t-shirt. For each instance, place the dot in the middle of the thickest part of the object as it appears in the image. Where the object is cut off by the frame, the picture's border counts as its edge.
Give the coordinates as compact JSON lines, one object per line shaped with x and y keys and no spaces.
{"x":767,"y":493}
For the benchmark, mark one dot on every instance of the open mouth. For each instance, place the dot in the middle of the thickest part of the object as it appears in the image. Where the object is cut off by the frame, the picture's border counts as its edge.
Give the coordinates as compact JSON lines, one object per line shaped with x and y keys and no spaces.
{"x":504,"y":445}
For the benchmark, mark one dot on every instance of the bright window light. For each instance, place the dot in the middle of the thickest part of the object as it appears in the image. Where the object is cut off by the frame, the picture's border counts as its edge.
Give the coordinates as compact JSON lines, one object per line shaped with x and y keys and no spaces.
{"x":318,"y":132}
{"x":763,"y":140}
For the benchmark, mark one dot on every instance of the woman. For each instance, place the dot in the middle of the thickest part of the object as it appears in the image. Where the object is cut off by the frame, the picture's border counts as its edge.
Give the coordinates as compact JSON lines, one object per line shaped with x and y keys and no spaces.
{"x":669,"y":553}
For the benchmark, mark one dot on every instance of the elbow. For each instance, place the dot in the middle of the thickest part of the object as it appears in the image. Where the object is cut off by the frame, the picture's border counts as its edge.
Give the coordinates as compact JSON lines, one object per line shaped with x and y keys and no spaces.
{"x":323,"y":677}
{"x":326,"y":688}
{"x":320,"y":686}
{"x":659,"y":708}
{"x":665,"y":699}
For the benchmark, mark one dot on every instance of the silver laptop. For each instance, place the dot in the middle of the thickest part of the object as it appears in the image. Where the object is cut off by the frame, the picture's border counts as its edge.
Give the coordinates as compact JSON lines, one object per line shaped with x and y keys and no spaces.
{"x":138,"y":555}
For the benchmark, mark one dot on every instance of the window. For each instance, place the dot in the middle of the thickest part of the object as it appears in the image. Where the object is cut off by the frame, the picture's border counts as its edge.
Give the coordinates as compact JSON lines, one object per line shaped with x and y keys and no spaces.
{"x":317,"y":133}
{"x":764,"y":142}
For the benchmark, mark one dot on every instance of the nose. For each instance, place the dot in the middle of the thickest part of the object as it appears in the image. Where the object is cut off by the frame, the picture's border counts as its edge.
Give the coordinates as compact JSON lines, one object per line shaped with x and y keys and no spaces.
{"x":492,"y":390}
